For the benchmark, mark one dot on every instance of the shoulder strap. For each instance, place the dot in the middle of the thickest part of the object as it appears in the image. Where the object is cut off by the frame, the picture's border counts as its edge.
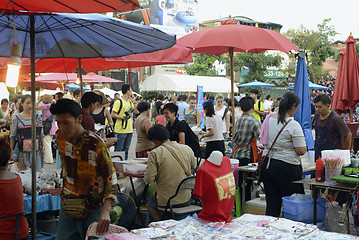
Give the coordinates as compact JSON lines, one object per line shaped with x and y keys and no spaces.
{"x":225,"y":113}
{"x":19,"y":118}
{"x":178,"y":160}
{"x":281,"y":130}
{"x":121,"y":103}
{"x":189,"y":114}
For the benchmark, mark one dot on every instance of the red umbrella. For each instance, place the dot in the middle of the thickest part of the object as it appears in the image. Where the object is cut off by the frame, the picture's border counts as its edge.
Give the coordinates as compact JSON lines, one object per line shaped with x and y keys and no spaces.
{"x":236,"y":38}
{"x":346,"y":89}
{"x":337,"y":104}
{"x":174,"y":55}
{"x":70,"y":6}
{"x":72,"y":78}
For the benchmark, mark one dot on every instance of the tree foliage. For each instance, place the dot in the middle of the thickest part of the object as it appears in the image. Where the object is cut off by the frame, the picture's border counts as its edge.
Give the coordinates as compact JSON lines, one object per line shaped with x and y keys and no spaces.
{"x":257,"y":64}
{"x":317,"y":43}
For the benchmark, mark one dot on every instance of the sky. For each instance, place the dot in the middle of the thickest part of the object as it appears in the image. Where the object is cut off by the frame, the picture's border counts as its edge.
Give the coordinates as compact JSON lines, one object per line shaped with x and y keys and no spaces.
{"x":289,"y":13}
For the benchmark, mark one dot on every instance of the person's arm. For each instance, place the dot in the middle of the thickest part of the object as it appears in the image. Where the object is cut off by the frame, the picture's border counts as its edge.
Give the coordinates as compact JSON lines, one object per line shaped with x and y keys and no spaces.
{"x":151,"y":169}
{"x":199,"y":116}
{"x":209,"y":133}
{"x":182,"y":138}
{"x":228,"y":124}
{"x":106,"y":170}
{"x":104,"y":219}
{"x":146,"y":125}
{"x":108,"y":116}
{"x":12,"y":145}
{"x":347,"y":141}
{"x":300,"y":150}
{"x":41,"y":107}
{"x":115,"y":111}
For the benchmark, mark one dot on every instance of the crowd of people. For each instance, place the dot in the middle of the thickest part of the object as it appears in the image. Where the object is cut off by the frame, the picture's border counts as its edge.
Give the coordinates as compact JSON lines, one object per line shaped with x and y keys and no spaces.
{"x":329,"y":83}
{"x":164,"y":130}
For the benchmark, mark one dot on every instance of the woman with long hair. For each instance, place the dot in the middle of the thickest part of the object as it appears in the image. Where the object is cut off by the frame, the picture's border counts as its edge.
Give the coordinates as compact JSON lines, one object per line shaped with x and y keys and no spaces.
{"x":13,"y":224}
{"x":282,"y":165}
{"x":20,"y":136}
{"x":192,"y":115}
{"x":224,"y":114}
{"x":214,"y":136}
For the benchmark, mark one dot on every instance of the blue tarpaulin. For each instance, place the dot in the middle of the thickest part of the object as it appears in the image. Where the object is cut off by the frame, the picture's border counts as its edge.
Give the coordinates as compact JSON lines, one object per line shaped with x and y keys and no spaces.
{"x":301,"y":88}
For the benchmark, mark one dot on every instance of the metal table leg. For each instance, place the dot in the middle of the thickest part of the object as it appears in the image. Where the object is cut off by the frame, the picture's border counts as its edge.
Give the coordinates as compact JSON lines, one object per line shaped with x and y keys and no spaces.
{"x":243,"y":194}
{"x":315,"y":193}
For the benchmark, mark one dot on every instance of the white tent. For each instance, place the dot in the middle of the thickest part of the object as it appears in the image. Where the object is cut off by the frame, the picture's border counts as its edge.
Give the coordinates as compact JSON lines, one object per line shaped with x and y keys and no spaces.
{"x":186,"y":83}
{"x":4,"y":93}
{"x":110,"y":92}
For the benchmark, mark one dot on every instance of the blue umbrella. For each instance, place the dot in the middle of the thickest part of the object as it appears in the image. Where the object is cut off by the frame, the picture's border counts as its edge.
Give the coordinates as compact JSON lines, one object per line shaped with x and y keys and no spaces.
{"x":312,"y":86}
{"x":66,"y":35}
{"x":60,"y":35}
{"x":73,"y":86}
{"x":256,"y":83}
{"x":301,"y":88}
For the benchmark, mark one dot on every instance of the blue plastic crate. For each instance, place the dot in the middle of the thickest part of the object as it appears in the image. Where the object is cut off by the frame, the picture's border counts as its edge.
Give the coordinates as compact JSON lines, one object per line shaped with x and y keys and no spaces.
{"x":44,"y":236}
{"x":303,"y":211}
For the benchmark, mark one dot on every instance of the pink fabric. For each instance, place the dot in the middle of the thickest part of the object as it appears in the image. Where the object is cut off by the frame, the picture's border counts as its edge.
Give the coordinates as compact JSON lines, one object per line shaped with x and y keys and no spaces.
{"x":45,"y":114}
{"x":124,"y":236}
{"x":264,"y":130}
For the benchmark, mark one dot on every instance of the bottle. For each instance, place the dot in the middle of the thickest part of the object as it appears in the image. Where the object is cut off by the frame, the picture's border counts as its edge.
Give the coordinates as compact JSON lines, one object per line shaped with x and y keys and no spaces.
{"x":319,"y":170}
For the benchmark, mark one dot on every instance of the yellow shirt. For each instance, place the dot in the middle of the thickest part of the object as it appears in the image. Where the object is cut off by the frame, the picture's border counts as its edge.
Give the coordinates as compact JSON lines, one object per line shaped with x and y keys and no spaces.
{"x":256,"y":115}
{"x":120,"y":107}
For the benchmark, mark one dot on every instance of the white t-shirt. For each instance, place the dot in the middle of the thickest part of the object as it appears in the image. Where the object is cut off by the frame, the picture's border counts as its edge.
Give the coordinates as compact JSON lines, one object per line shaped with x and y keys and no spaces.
{"x":220,"y":113}
{"x":214,"y":123}
{"x":284,"y":148}
{"x":267,"y":104}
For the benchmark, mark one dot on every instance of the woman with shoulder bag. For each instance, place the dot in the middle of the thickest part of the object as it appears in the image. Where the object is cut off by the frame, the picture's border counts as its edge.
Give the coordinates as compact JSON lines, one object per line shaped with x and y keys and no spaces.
{"x":21,"y":135}
{"x":281,"y":164}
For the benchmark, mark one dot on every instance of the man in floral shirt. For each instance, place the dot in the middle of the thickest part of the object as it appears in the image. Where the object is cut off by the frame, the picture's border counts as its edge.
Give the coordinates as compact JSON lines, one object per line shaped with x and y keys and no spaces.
{"x":87,"y":171}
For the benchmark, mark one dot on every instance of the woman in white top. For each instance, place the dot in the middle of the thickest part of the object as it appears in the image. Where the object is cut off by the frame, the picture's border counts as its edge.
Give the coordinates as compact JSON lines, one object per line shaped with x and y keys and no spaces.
{"x":213,"y":134}
{"x":223,"y":112}
{"x":283,"y":166}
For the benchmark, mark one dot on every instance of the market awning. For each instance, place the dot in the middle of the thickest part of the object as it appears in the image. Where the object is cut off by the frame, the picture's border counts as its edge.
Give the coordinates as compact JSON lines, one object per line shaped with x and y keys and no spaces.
{"x":186,"y":83}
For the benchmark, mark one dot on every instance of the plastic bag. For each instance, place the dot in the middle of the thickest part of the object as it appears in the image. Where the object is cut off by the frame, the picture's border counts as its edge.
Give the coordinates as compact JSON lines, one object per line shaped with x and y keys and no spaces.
{"x":135,"y":168}
{"x":297,"y":197}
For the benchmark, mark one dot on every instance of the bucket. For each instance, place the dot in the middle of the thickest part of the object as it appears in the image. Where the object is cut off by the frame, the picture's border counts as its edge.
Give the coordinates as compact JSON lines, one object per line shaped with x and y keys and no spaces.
{"x":332,"y":172}
{"x":303,"y":211}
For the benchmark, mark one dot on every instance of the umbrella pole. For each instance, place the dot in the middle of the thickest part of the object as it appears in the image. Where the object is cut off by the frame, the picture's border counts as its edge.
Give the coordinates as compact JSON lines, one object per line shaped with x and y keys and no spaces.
{"x":351,"y":115}
{"x":232,"y":96}
{"x":79,"y":74}
{"x":33,"y":129}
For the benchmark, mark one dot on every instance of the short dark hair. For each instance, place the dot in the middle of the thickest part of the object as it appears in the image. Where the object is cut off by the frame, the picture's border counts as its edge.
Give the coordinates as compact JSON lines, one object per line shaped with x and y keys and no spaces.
{"x":88,"y":98}
{"x":192,"y":98}
{"x":116,"y":94}
{"x":246,"y":103}
{"x":173,"y":108}
{"x":184,"y":97}
{"x":160,"y":97}
{"x":76,"y":92}
{"x":65,"y":105}
{"x":125,"y":88}
{"x":268,"y":97}
{"x":143,"y":106}
{"x":255,"y":91}
{"x":59,"y":94}
{"x":4,"y":100}
{"x":209,"y":107}
{"x":322,"y":98}
{"x":158,"y":132}
{"x":5,"y":152}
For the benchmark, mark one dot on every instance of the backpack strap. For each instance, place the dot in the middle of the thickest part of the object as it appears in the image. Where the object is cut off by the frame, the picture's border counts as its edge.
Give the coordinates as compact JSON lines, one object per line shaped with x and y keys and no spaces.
{"x":17,"y":116}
